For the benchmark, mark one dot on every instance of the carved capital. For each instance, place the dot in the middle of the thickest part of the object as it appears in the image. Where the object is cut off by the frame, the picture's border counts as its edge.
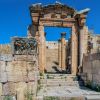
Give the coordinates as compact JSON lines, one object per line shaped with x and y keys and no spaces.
{"x":82,"y":21}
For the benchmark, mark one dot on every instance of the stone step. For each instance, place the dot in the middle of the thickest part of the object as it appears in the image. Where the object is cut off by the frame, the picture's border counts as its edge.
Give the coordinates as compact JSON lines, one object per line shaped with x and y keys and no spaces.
{"x":75,"y":85}
{"x":59,"y":82}
{"x":50,"y":84}
{"x":68,"y":75}
{"x":56,"y":80}
{"x":61,"y":76}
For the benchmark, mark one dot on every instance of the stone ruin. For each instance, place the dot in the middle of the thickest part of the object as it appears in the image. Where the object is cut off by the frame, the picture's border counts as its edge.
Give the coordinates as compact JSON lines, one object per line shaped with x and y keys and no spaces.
{"x":19,"y":69}
{"x":23,"y":60}
{"x":60,"y":15}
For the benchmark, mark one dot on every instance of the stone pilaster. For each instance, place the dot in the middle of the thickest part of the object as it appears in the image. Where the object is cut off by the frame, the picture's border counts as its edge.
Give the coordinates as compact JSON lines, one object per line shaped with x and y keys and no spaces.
{"x":42,"y":49}
{"x":32,"y":31}
{"x":63,"y":51}
{"x":83,"y":42}
{"x":59,"y":52}
{"x":74,"y":51}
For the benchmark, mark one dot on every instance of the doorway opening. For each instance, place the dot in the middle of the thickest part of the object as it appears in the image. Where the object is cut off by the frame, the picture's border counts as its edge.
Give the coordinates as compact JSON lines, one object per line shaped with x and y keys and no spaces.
{"x":53,"y":34}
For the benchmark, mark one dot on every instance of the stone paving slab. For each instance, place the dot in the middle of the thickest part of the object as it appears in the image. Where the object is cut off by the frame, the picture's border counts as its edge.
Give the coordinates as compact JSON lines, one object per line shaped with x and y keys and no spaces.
{"x":93,"y":97}
{"x":69,"y":91}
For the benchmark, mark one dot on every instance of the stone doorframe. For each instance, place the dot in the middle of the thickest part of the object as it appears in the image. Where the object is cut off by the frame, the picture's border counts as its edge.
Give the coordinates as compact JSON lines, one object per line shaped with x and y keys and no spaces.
{"x":42,"y":44}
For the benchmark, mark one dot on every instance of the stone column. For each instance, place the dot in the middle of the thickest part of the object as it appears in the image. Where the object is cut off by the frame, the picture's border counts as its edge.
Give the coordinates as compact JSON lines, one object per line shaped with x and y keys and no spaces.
{"x":63,"y":51}
{"x":83,"y":42}
{"x":74,"y":50}
{"x":42,"y":49}
{"x":59,"y":52}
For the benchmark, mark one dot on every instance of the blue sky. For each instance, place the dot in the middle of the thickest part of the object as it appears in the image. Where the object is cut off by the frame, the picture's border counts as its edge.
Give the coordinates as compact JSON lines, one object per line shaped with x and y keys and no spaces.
{"x":15,"y":16}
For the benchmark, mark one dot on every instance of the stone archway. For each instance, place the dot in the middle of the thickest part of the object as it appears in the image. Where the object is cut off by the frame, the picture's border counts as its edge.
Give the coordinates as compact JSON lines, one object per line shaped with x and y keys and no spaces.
{"x":61,"y":16}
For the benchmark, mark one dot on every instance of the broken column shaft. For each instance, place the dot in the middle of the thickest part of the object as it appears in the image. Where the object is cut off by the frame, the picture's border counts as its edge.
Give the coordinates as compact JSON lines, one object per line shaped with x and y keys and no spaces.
{"x":59,"y":52}
{"x":63,"y":51}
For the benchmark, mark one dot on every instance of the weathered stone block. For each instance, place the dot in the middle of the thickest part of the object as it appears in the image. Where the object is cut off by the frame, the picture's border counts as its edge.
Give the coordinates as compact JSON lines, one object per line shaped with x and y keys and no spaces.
{"x":31,"y":76}
{"x":9,"y":88}
{"x":31,"y":87}
{"x":1,"y":91}
{"x":3,"y":77}
{"x":21,"y":88}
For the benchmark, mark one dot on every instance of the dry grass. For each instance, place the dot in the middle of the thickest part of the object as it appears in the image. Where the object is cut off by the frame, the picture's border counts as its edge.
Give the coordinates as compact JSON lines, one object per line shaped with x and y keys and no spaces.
{"x":5,"y":49}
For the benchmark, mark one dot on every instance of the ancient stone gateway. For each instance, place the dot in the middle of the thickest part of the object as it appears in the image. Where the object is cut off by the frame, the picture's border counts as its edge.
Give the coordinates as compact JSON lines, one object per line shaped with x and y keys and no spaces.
{"x":61,"y":16}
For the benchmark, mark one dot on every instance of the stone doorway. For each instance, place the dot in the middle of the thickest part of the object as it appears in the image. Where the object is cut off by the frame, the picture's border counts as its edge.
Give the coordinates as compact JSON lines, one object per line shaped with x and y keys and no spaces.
{"x":52,"y":37}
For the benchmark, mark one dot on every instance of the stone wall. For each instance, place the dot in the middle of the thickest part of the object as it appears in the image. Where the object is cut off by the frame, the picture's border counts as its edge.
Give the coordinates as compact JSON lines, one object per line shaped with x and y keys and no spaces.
{"x":91,"y":68}
{"x":17,"y":77}
{"x":51,"y":55}
{"x":52,"y":44}
{"x":96,"y":44}
{"x":51,"y":59}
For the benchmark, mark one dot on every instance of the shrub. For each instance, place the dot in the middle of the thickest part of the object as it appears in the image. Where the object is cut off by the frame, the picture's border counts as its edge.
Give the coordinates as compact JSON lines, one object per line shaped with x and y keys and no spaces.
{"x":28,"y":96}
{"x":51,"y":98}
{"x":8,"y":98}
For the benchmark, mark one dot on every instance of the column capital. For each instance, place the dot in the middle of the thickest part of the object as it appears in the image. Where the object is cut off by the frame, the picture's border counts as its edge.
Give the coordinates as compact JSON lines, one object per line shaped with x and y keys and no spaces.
{"x":59,"y":40}
{"x":63,"y":34}
{"x":41,"y":24}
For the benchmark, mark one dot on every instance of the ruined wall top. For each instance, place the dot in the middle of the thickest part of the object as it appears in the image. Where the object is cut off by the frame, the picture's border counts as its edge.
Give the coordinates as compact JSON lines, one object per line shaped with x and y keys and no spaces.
{"x":5,"y":49}
{"x":56,"y":12}
{"x":57,"y":7}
